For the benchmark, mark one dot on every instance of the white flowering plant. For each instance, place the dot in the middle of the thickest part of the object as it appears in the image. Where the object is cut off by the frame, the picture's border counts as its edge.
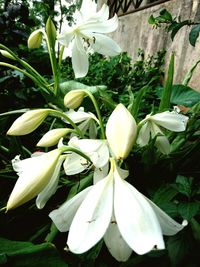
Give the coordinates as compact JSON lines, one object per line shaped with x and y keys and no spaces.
{"x":100,"y":160}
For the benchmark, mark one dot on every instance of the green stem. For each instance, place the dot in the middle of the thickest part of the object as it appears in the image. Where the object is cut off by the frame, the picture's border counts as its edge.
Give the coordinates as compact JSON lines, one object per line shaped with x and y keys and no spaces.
{"x":53,"y":232}
{"x":59,"y":114}
{"x":61,"y":54}
{"x":98,"y":113}
{"x":26,"y":66}
{"x":26,"y":74}
{"x":54,"y":66}
{"x":75,"y":150}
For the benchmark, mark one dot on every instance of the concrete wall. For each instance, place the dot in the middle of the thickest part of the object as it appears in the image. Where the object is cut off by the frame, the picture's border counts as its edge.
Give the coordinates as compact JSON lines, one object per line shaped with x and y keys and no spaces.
{"x":134,"y":32}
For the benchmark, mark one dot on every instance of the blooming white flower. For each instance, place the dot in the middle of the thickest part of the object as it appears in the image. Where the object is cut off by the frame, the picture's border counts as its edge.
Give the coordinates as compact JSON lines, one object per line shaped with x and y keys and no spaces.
{"x":87,"y":34}
{"x":86,"y":119}
{"x":115,"y":210}
{"x":96,"y":150}
{"x":150,"y":128}
{"x":121,"y":131}
{"x":35,"y":174}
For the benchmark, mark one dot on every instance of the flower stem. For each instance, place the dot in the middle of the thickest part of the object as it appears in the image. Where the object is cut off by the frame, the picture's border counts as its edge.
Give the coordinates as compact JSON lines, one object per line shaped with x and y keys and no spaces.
{"x":58,"y":113}
{"x":98,"y":112}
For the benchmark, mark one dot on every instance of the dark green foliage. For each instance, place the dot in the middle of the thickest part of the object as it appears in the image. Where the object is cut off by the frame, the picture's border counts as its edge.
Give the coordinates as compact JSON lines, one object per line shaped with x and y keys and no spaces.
{"x":173,"y":25}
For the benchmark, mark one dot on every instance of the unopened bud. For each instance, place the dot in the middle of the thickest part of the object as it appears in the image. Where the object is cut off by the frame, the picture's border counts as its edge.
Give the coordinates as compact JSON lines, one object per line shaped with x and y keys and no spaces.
{"x":6,"y":54}
{"x":74,"y":98}
{"x":35,"y":39}
{"x":28,"y":122}
{"x":52,"y":137}
{"x":121,"y":131}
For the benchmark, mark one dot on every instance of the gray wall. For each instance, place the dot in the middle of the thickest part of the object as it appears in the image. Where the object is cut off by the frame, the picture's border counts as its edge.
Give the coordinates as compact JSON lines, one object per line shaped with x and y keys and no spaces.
{"x":134,"y":32}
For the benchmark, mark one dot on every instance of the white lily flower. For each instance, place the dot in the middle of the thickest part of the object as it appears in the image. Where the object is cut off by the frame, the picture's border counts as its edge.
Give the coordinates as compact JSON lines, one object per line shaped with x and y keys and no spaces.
{"x":35,"y":173}
{"x":96,"y":150}
{"x":150,"y":129}
{"x":114,"y":210}
{"x":87,"y":34}
{"x":121,"y":131}
{"x":86,"y":119}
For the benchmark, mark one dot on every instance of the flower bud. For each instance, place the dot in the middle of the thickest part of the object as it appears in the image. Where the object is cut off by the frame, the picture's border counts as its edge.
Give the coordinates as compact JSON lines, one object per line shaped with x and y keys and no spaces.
{"x":52,"y":137}
{"x":34,"y":174}
{"x":35,"y":39}
{"x":121,"y":131}
{"x":28,"y":122}
{"x":6,"y":54}
{"x":74,"y":98}
{"x":51,"y":31}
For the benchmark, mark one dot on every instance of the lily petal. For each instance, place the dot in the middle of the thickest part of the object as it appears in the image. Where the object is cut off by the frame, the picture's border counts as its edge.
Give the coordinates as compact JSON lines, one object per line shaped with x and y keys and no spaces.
{"x":144,"y":134}
{"x":92,"y":218}
{"x":74,"y":164}
{"x":34,"y":174}
{"x":168,"y":225}
{"x":115,"y":243}
{"x":80,"y":62}
{"x":63,"y":216}
{"x":105,"y":45}
{"x":106,"y":26}
{"x":136,"y":219}
{"x":171,"y":121}
{"x":51,"y":187}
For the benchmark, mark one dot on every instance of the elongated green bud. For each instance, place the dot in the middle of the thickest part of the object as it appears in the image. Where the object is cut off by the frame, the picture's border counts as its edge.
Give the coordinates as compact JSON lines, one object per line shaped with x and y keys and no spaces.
{"x":51,"y":31}
{"x":28,"y":122}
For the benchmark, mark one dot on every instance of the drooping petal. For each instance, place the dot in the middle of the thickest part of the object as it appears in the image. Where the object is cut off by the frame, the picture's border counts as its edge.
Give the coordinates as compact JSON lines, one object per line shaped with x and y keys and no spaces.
{"x":101,"y":15}
{"x":106,"y":26}
{"x":74,"y":164}
{"x":144,"y":134}
{"x":168,"y":225}
{"x":100,"y":173}
{"x":162,"y":143}
{"x":135,"y":218}
{"x":80,"y":62}
{"x":92,"y":218}
{"x":121,"y":131}
{"x":115,"y":243}
{"x":66,"y":37}
{"x":51,"y":187}
{"x":80,"y":115}
{"x":170,"y":120}
{"x":63,"y":216}
{"x":105,"y":45}
{"x":34,"y":174}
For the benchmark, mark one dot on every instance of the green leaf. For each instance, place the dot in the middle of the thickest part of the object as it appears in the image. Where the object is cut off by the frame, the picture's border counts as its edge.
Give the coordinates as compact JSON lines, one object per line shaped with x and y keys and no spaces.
{"x":165,"y":100}
{"x":184,"y":95}
{"x":184,"y":185}
{"x":166,"y":15}
{"x":188,"y":210}
{"x":195,"y":229}
{"x":151,"y":20}
{"x":65,"y":87}
{"x":175,"y":27}
{"x":194,"y":34}
{"x":188,"y":76}
{"x":26,"y":254}
{"x":178,"y":247}
{"x":164,"y":194}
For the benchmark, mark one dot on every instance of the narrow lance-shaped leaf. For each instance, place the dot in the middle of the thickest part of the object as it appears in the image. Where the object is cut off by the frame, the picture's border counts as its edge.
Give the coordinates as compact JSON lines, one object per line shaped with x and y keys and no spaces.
{"x":165,"y":100}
